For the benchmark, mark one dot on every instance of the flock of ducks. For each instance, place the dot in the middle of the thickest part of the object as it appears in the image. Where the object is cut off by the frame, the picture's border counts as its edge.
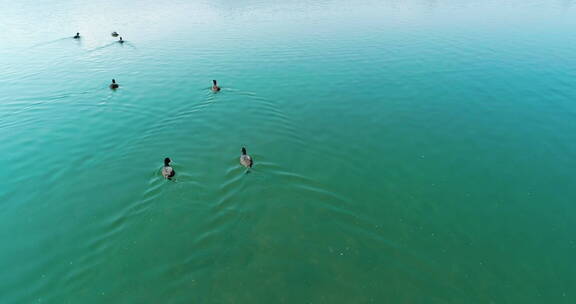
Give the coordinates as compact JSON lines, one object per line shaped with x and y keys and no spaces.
{"x":167,"y":171}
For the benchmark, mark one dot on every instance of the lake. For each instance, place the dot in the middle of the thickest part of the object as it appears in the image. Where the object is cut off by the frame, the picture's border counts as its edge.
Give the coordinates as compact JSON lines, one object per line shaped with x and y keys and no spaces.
{"x":417,"y":151}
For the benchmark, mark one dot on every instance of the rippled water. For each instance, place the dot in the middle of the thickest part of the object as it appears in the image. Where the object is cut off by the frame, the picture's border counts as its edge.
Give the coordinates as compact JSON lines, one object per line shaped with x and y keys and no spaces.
{"x":405,"y":151}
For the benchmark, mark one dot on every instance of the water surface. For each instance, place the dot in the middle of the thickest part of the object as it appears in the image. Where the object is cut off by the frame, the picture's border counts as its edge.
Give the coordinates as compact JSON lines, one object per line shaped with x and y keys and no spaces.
{"x":406,"y":151}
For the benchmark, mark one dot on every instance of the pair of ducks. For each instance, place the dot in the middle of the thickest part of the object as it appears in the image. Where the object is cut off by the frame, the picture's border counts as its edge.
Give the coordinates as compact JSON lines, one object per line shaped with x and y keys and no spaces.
{"x":215,"y":87}
{"x":114,"y":34}
{"x":168,"y":172}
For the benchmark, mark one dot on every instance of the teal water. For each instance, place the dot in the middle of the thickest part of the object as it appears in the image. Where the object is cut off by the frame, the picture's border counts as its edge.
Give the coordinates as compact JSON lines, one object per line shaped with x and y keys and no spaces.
{"x":405,"y":151}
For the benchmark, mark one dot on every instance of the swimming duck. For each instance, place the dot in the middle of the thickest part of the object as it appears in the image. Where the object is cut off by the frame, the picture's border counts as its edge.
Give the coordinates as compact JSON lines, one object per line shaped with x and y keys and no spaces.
{"x":114,"y":34}
{"x":114,"y":85}
{"x":215,"y":87}
{"x":245,"y":159}
{"x":121,"y":41}
{"x":168,"y":172}
{"x":77,"y":36}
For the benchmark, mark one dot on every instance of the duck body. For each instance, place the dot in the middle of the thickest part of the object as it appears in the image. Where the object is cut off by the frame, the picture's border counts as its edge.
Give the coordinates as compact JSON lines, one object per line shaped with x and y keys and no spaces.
{"x":121,"y":41}
{"x":167,"y":171}
{"x":245,"y":159}
{"x":77,"y":36}
{"x":114,"y":34}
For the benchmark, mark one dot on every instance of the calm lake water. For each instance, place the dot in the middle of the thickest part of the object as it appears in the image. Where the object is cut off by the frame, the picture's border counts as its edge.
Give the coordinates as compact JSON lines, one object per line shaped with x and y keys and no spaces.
{"x":417,"y":151}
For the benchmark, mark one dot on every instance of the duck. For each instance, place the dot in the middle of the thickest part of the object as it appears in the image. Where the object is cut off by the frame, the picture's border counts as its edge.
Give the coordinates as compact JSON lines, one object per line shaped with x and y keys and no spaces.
{"x":215,"y":87}
{"x":114,"y":85}
{"x":167,"y":171}
{"x":114,"y":34}
{"x":245,"y":159}
{"x":77,"y":36}
{"x":121,"y":41}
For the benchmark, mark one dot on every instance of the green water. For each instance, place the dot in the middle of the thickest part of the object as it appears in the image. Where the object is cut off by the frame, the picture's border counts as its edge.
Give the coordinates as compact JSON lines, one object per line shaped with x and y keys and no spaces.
{"x":405,"y":151}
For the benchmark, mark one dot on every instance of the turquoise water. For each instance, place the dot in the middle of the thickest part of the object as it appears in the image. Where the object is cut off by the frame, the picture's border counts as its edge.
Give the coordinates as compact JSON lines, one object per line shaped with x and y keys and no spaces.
{"x":405,"y":152}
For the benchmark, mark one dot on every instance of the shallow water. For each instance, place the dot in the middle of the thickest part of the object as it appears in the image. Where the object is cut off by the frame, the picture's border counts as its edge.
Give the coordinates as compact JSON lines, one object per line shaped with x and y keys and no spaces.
{"x":406,"y":152}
